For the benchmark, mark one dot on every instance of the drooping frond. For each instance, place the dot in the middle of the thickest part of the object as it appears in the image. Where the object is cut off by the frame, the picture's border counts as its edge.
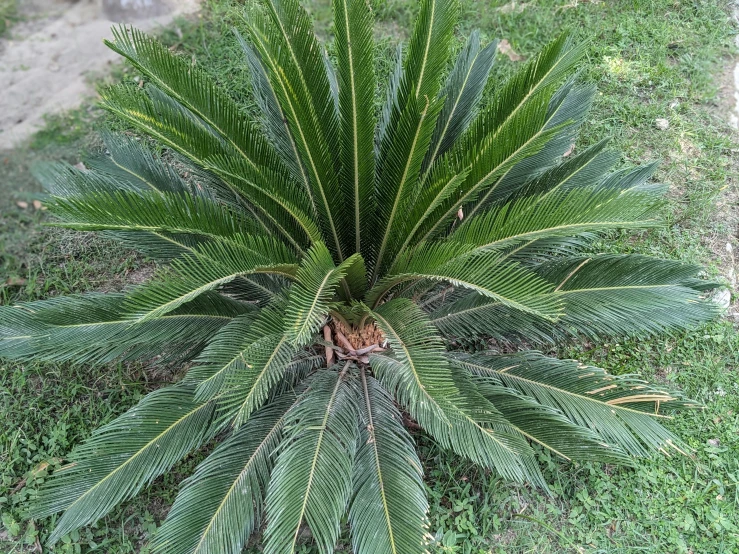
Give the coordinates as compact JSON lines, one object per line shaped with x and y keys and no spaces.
{"x":388,"y":510}
{"x":311,"y":480}
{"x":628,"y":294}
{"x":149,"y":212}
{"x":548,"y":427}
{"x":621,"y":409}
{"x":310,"y":297}
{"x":602,"y":295}
{"x":355,"y":55}
{"x":124,"y":456}
{"x":95,"y":328}
{"x":221,"y":504}
{"x":210,"y":266}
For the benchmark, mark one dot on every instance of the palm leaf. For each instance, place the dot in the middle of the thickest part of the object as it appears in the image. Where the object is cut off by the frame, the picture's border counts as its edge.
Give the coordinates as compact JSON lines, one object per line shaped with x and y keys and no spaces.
{"x":355,"y":54}
{"x":388,"y":508}
{"x":212,"y":265}
{"x":462,"y":93}
{"x":221,"y":504}
{"x":124,"y":456}
{"x":310,"y":298}
{"x":311,"y":480}
{"x":95,"y":328}
{"x":294,"y":64}
{"x":417,"y":374}
{"x":620,"y":409}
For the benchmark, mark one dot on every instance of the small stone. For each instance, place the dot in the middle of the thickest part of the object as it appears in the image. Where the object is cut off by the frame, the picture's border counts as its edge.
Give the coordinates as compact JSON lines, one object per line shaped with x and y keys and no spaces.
{"x":714,"y":442}
{"x":729,"y":247}
{"x":662,"y":124}
{"x":36,"y":205}
{"x":722,"y":297}
{"x":80,"y":166}
{"x":21,"y":204}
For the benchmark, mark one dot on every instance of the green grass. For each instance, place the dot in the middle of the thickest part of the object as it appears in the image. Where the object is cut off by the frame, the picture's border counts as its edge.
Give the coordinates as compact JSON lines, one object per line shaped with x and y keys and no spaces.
{"x":650,"y":59}
{"x":8,"y":15}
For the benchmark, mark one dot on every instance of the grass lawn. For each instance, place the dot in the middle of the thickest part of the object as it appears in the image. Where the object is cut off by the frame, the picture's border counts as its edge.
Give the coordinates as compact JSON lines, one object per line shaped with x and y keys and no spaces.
{"x":651,"y":59}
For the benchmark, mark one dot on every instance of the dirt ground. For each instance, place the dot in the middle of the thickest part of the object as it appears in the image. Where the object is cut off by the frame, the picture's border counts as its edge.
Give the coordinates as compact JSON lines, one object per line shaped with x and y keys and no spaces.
{"x":45,"y":60}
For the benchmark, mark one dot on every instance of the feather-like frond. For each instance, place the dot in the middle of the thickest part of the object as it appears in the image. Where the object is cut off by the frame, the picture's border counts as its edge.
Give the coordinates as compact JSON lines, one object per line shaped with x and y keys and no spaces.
{"x":316,"y":282}
{"x":311,"y":480}
{"x":227,"y":489}
{"x":95,"y":328}
{"x":124,"y":456}
{"x":621,"y":409}
{"x":388,"y":510}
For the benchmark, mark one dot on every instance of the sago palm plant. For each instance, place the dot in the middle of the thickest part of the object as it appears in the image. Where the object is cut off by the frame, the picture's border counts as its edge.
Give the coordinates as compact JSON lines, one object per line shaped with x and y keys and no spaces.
{"x":325,"y":265}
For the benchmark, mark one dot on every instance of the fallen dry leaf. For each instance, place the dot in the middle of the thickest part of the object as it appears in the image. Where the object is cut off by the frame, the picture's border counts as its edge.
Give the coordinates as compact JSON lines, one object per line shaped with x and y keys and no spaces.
{"x":504,"y":47}
{"x":21,"y":204}
{"x":15,"y":281}
{"x":513,"y":7}
{"x":570,"y":150}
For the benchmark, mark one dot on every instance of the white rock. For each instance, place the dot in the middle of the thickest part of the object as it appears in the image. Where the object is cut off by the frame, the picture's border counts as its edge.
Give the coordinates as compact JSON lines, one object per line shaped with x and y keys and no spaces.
{"x":662,"y":124}
{"x":722,"y":297}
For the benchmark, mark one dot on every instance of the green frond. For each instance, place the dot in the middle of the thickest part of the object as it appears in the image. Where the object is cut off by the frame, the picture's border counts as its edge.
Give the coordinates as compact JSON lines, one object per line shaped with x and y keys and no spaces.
{"x":210,"y":266}
{"x":388,"y":509}
{"x":483,"y":273}
{"x":563,"y":213}
{"x":399,"y":164}
{"x":221,"y":504}
{"x":462,"y":93}
{"x":628,"y":294}
{"x":517,"y":138}
{"x":95,"y":328}
{"x":428,"y":49}
{"x":495,"y":144}
{"x":245,"y":362}
{"x":273,"y":119}
{"x":193,"y":89}
{"x":549,"y":428}
{"x":566,"y":112}
{"x":587,"y":169}
{"x":601,"y":296}
{"x":620,"y":409}
{"x":124,"y":456}
{"x":129,"y":160}
{"x":148,"y":212}
{"x":311,"y":480}
{"x":417,"y":373}
{"x":277,"y":209}
{"x":356,"y":82}
{"x":316,"y":282}
{"x":294,"y":64}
